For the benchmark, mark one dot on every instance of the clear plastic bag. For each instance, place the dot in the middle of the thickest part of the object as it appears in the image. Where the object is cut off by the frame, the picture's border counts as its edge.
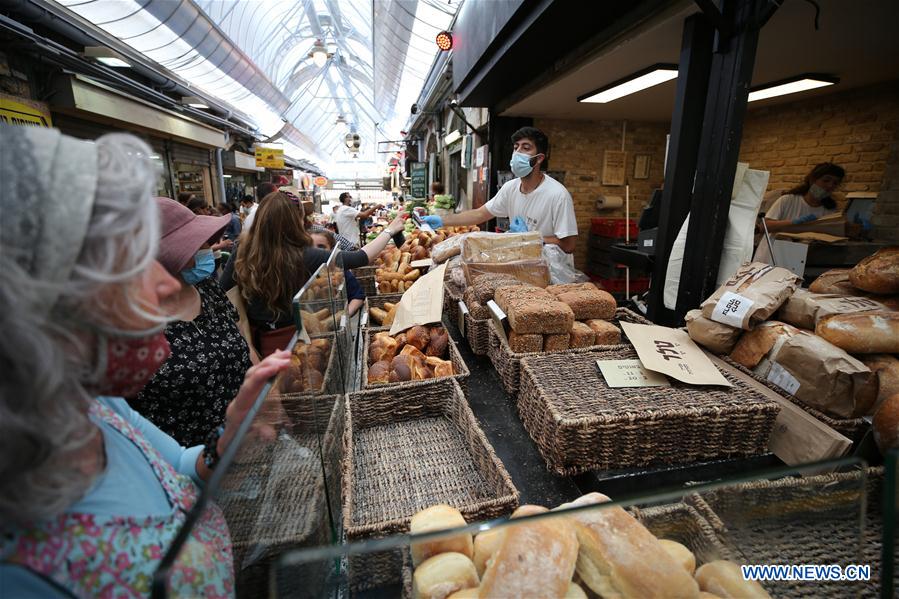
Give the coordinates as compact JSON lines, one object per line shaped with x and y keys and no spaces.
{"x":443,"y":251}
{"x":560,"y":268}
{"x":500,"y":248}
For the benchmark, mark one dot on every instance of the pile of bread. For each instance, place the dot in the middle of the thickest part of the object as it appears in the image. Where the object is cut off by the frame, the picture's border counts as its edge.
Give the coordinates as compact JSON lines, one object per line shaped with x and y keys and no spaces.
{"x":320,"y":288}
{"x":419,"y":243}
{"x":606,"y":551}
{"x":415,"y":355}
{"x":308,"y":363}
{"x":394,"y":273}
{"x":319,"y":322}
{"x":558,"y":317}
{"x":843,"y":330}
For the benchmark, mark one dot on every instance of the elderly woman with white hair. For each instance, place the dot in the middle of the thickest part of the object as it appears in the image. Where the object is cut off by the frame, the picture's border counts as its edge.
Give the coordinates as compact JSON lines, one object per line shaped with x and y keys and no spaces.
{"x":91,"y":493}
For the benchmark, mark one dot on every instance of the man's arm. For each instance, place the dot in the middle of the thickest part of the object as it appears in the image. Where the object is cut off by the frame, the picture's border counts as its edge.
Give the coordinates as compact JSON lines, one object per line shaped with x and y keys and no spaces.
{"x":566,"y":243}
{"x":467,"y":218}
{"x":366,"y":213}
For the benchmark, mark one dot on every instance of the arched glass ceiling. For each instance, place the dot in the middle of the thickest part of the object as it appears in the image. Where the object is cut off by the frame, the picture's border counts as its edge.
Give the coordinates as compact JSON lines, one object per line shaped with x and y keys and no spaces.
{"x":255,"y":56}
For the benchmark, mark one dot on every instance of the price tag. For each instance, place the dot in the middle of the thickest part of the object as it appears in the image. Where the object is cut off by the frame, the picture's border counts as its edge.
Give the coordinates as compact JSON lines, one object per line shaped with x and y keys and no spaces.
{"x":780,"y":376}
{"x":463,"y":310}
{"x":630,"y":373}
{"x":423,"y":263}
{"x":731,"y":309}
{"x":363,"y":320}
{"x":499,"y":319}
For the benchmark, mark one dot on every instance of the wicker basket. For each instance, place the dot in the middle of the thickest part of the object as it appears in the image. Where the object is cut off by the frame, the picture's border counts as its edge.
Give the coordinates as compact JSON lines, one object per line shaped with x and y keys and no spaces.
{"x":459,"y":366}
{"x":364,"y":271}
{"x":677,"y":521}
{"x":368,"y":285}
{"x":452,"y":295}
{"x":331,"y":379}
{"x":477,"y":332}
{"x":579,"y":423}
{"x":808,"y":520}
{"x":274,"y":496}
{"x":852,"y":428}
{"x":378,"y":301}
{"x":406,"y":448}
{"x":507,"y":362}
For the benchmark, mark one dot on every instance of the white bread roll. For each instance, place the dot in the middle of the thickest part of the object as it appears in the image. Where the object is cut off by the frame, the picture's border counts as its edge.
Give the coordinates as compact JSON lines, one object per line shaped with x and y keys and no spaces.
{"x":575,"y":592}
{"x":440,"y":576}
{"x":886,"y":424}
{"x":619,"y":557}
{"x":863,"y":332}
{"x":487,"y":543}
{"x":536,"y":559}
{"x":724,"y":578}
{"x":681,"y":554}
{"x":434,"y":518}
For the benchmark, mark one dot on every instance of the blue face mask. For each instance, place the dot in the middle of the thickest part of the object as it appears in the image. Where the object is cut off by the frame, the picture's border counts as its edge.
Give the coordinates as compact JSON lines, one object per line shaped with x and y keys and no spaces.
{"x":204,"y":266}
{"x":521,"y":164}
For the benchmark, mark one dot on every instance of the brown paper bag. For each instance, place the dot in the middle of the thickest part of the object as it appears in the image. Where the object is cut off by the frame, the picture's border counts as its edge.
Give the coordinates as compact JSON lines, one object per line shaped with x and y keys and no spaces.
{"x":804,"y":309}
{"x":714,"y":336}
{"x":751,"y":295}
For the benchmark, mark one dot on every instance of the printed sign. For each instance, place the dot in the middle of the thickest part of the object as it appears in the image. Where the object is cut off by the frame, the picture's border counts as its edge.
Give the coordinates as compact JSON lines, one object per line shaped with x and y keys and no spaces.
{"x":672,"y":352}
{"x":499,"y":319}
{"x":419,"y":183}
{"x":630,"y":373}
{"x":780,"y":376}
{"x":320,"y":181}
{"x":269,"y":157}
{"x":20,"y":111}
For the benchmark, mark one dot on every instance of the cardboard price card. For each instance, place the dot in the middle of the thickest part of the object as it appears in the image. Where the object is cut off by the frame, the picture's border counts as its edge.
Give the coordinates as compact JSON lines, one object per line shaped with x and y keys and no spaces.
{"x":672,"y":352}
{"x":630,"y":373}
{"x":422,"y":303}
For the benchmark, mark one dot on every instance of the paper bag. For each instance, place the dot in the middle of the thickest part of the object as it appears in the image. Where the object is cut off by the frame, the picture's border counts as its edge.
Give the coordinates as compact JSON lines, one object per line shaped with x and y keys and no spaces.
{"x":751,"y":295}
{"x":422,"y":303}
{"x":714,"y":336}
{"x":804,"y":309}
{"x":672,"y":352}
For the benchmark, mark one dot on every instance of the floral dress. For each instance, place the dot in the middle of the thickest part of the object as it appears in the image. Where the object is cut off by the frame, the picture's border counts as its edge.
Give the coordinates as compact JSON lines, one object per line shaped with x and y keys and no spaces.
{"x":188,"y":395}
{"x":89,"y":555}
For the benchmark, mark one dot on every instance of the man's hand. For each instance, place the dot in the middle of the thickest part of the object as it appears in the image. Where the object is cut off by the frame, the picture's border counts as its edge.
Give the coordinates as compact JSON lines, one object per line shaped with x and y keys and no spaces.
{"x":804,"y":219}
{"x":434,"y":221}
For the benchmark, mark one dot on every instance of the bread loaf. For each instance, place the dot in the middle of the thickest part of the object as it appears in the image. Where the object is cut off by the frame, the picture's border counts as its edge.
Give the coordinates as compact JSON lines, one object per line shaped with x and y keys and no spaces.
{"x":479,"y":311}
{"x":434,"y":518}
{"x":566,"y":287}
{"x":605,"y":333}
{"x":587,"y":304}
{"x":532,"y":272}
{"x":487,"y":543}
{"x":681,"y":554}
{"x":878,"y":273}
{"x":535,"y":559}
{"x":440,"y":576}
{"x":525,"y":344}
{"x":484,"y":287}
{"x":470,"y":297}
{"x":501,"y":247}
{"x":470,"y":593}
{"x":862,"y":333}
{"x":751,"y":295}
{"x":549,"y":317}
{"x":754,"y":345}
{"x":575,"y":592}
{"x":890,"y":302}
{"x":886,"y":367}
{"x":714,"y":336}
{"x":556,"y":342}
{"x":581,"y":335}
{"x":725,"y":579}
{"x":834,"y":281}
{"x":506,"y":296}
{"x":618,"y":557}
{"x":886,"y":424}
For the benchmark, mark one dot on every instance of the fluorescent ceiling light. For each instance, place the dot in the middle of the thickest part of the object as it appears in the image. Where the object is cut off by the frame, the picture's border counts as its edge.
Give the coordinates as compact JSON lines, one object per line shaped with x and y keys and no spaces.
{"x":793,"y":85}
{"x":194,"y":102}
{"x":107,"y":56}
{"x":649,"y":77}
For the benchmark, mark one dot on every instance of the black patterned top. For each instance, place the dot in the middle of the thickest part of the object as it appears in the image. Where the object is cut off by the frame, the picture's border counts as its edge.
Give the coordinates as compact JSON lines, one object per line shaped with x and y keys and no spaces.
{"x":188,"y":396}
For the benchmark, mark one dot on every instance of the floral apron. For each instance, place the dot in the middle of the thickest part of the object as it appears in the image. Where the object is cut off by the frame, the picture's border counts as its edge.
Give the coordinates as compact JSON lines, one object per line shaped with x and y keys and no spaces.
{"x":111,"y":556}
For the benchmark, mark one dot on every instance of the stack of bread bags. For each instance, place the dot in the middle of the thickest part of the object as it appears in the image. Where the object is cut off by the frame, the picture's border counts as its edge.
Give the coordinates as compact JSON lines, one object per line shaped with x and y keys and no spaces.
{"x":604,"y":551}
{"x":830,"y":346}
{"x":517,"y":254}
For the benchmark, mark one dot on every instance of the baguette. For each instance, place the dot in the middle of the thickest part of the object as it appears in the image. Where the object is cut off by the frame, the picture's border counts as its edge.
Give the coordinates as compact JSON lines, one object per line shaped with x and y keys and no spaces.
{"x":724,"y":579}
{"x":878,"y":273}
{"x":863,"y":332}
{"x":378,"y":315}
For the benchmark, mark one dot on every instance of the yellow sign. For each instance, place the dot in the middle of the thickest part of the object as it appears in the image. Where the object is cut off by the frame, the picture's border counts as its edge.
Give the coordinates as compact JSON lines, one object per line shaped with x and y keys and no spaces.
{"x":321,"y":181}
{"x":269,"y":157}
{"x":19,"y":111}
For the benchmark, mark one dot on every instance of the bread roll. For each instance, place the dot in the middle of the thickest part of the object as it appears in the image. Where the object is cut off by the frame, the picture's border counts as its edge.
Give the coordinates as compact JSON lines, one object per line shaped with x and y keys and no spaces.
{"x":619,"y":557}
{"x":440,"y":367}
{"x":886,"y":367}
{"x":535,"y":559}
{"x":581,"y":335}
{"x":440,"y":576}
{"x":379,"y":373}
{"x":400,"y":369}
{"x":434,"y":518}
{"x":724,"y":578}
{"x":556,"y":342}
{"x":886,"y":424}
{"x":439,"y":339}
{"x":714,"y":336}
{"x":575,"y":592}
{"x":487,"y":543}
{"x":863,"y":332}
{"x":878,"y":273}
{"x":470,"y":593}
{"x":681,"y":554}
{"x":835,"y":281}
{"x":418,"y":337}
{"x":383,"y":347}
{"x":605,"y":333}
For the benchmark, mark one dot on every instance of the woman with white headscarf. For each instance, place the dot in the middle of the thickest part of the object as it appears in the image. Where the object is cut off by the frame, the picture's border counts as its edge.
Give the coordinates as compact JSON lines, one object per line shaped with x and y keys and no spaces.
{"x":91,"y":493}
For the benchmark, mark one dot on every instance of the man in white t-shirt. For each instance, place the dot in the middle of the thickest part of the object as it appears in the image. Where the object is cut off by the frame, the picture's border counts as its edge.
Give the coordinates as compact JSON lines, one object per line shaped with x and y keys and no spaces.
{"x":348,"y":218}
{"x":532,"y":202}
